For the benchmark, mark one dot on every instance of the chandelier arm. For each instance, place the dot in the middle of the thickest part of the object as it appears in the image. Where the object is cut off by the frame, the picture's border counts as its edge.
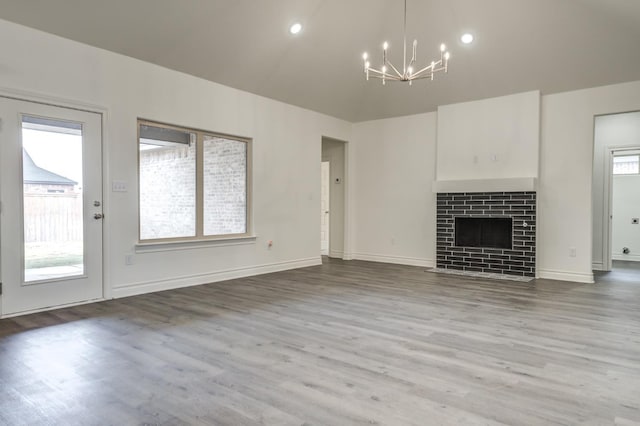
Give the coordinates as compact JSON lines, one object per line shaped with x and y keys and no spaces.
{"x":395,"y":69}
{"x":386,"y":77}
{"x":381,"y":74}
{"x":431,"y":67}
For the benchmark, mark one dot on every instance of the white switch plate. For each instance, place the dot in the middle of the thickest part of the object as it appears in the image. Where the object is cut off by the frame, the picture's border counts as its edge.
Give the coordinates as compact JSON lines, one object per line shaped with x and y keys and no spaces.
{"x":118,"y":186}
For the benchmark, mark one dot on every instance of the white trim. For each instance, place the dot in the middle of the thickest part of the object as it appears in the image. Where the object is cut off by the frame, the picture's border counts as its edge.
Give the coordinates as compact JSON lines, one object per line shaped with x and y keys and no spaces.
{"x":598,"y":266}
{"x":566,"y":276}
{"x":51,"y":308}
{"x":193,"y":244}
{"x":336,"y":254}
{"x":486,"y":185}
{"x":211,"y":277}
{"x":398,"y":260}
{"x":51,"y":100}
{"x":626,"y":257}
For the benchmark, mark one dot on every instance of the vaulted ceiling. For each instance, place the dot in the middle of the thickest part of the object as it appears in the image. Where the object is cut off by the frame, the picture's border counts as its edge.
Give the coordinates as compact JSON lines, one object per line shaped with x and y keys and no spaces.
{"x":521,"y":45}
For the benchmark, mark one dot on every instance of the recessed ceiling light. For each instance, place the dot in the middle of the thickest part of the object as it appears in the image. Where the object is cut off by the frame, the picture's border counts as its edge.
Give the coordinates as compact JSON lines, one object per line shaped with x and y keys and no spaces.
{"x":295,"y":28}
{"x":467,"y":38}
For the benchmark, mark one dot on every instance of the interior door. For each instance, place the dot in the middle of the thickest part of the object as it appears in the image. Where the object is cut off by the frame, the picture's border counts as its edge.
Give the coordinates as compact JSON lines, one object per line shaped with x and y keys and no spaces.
{"x":51,"y":217}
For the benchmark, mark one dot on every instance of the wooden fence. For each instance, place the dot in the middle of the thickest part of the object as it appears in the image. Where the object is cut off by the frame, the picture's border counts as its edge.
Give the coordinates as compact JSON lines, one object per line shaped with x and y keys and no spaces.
{"x":52,"y":217}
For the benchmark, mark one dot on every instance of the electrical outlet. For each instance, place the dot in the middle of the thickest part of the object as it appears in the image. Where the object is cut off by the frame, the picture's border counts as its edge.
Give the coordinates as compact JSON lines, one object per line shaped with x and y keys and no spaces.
{"x":572,"y":252}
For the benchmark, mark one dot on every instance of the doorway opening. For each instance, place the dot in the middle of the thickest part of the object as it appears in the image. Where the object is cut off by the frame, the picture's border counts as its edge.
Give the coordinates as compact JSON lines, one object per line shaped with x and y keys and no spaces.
{"x":325,"y":194}
{"x":332,"y":210}
{"x":616,"y":196}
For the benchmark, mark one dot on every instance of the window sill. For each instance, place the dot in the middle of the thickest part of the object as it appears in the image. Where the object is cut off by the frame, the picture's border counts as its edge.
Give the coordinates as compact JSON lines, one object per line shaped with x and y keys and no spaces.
{"x":193,"y":244}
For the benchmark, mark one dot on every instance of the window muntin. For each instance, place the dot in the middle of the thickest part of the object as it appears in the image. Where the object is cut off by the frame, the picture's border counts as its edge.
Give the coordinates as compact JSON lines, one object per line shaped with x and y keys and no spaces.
{"x":193,"y":185}
{"x":626,"y":164}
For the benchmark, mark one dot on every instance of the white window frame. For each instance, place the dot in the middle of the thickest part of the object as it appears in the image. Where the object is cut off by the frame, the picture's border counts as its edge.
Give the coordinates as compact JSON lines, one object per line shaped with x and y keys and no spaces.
{"x":199,"y":235}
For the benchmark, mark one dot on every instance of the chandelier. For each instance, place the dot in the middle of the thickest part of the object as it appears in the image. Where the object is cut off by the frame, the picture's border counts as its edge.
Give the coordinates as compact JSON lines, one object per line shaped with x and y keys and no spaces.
{"x":409,"y":70}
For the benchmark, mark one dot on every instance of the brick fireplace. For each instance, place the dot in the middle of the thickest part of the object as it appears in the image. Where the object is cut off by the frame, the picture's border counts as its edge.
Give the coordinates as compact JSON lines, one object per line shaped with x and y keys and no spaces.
{"x":517,"y":258}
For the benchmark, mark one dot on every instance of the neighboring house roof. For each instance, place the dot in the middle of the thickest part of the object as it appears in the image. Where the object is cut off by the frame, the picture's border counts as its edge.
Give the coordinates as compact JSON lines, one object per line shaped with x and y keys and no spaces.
{"x":34,"y":174}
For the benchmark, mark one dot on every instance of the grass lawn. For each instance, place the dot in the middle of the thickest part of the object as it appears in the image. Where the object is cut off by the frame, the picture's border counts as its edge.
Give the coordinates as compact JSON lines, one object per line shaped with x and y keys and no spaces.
{"x":44,"y":255}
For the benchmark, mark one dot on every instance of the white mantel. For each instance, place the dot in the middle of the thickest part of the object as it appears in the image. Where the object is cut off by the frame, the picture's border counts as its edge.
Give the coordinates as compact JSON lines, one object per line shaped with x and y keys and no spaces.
{"x":486,"y":185}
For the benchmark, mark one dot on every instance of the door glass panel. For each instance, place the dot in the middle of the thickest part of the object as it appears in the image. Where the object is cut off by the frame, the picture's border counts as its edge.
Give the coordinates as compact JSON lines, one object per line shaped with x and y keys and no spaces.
{"x":52,"y":200}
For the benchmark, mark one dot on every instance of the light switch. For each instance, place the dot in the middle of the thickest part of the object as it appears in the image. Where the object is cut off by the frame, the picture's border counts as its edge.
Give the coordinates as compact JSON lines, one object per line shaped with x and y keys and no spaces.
{"x":118,"y":186}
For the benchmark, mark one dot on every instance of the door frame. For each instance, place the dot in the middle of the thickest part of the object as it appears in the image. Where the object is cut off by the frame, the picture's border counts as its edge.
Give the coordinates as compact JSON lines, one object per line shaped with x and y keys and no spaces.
{"x":55,"y":101}
{"x":328,"y":230}
{"x":345,"y":218}
{"x":607,"y":228}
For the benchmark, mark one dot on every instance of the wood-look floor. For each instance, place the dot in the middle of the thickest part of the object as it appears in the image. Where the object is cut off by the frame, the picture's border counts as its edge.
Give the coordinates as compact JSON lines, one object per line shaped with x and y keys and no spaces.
{"x":338,"y":344}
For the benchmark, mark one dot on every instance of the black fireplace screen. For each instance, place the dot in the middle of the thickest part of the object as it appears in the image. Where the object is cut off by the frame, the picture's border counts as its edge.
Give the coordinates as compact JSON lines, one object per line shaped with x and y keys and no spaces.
{"x":490,"y":232}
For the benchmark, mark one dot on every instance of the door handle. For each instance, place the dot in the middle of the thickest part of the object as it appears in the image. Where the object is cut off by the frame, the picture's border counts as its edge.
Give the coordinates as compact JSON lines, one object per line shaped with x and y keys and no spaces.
{"x":98,"y":216}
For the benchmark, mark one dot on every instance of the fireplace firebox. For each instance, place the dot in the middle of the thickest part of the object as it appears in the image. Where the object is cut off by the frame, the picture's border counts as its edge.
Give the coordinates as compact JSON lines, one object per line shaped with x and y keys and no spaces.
{"x":490,"y":232}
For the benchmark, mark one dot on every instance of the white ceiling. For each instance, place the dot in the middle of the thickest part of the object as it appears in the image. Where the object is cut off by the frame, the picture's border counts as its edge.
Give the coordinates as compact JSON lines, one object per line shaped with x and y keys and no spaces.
{"x":521,"y":45}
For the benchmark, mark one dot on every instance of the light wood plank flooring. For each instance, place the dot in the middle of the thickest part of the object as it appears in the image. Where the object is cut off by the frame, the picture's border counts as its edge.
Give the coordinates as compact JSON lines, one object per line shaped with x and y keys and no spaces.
{"x":339,"y":344}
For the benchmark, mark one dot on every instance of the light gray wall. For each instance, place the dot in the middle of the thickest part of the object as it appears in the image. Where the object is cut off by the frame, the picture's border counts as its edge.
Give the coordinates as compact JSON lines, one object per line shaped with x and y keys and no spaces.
{"x":494,"y":138}
{"x":394,"y":205}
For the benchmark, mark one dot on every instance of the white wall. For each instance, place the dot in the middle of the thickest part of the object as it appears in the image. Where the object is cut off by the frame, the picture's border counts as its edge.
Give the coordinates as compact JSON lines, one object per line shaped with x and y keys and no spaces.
{"x":493,"y":138}
{"x":286,"y":155}
{"x":626,"y":205}
{"x":394,"y":212}
{"x":394,"y":206}
{"x":611,"y":131}
{"x":565,"y":182}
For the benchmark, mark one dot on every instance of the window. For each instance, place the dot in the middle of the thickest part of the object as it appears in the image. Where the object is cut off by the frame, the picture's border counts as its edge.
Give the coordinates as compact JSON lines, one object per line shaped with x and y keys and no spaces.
{"x":194,"y":184}
{"x":626,"y":165}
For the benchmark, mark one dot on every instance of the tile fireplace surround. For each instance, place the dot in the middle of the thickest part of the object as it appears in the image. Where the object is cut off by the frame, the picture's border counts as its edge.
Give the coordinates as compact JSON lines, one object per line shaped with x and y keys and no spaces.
{"x":520,"y":260}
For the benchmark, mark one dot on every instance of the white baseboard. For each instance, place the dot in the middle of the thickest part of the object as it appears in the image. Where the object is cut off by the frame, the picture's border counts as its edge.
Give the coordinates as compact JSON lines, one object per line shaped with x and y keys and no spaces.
{"x":199,"y":279}
{"x":50,"y":308}
{"x":336,"y":254}
{"x":566,"y":276}
{"x":597,"y":266}
{"x":628,"y":257}
{"x":399,"y":260}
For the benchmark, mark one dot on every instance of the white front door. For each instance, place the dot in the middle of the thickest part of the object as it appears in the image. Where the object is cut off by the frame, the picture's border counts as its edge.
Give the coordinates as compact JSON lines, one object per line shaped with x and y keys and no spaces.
{"x":51,"y":194}
{"x":324,"y":208}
